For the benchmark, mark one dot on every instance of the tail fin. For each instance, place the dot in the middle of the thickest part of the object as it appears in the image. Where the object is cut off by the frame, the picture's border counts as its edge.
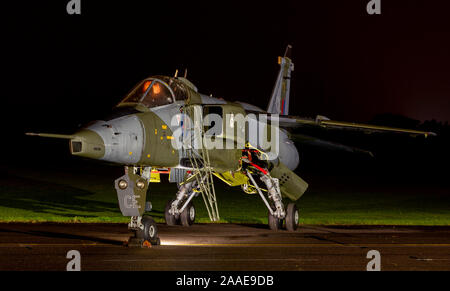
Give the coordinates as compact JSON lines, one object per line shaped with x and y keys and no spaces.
{"x":279,"y":101}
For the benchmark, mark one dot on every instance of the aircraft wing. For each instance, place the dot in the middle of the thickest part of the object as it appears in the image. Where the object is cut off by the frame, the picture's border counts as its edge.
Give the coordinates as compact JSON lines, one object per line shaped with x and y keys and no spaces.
{"x":323,"y":122}
{"x":313,"y":141}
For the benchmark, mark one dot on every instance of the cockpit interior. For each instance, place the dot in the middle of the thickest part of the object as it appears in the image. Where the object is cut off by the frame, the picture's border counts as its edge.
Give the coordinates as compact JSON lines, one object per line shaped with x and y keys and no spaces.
{"x":156,"y":91}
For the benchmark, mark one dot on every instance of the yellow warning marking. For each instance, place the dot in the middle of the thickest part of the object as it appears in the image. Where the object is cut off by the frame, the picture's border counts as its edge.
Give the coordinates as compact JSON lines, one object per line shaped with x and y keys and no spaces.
{"x":130,"y":153}
{"x":148,"y":156}
{"x":164,"y":126}
{"x":169,"y":137}
{"x":162,"y":138}
{"x":156,"y":131}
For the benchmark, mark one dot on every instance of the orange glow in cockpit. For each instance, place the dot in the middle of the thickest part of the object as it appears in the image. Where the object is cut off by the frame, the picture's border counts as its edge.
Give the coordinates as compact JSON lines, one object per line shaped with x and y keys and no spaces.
{"x":156,"y":88}
{"x":146,"y":84}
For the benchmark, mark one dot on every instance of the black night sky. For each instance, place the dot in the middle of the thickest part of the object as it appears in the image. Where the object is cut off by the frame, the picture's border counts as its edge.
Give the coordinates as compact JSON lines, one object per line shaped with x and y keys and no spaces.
{"x":61,"y":71}
{"x":348,"y":65}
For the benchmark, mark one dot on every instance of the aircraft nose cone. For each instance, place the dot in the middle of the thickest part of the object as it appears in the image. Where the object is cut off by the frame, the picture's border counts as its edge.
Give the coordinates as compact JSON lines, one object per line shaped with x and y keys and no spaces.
{"x":87,"y":143}
{"x":119,"y":140}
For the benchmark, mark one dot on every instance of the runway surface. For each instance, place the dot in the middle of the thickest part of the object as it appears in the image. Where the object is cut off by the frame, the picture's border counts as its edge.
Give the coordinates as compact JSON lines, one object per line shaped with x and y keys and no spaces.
{"x":224,"y":247}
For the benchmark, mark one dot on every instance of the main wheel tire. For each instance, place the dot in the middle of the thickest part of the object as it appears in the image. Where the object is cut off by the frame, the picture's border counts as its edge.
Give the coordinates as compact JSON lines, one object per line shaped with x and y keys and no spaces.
{"x":274,"y":223}
{"x":188,"y":215}
{"x":292,"y":217}
{"x":150,"y":230}
{"x":170,"y":219}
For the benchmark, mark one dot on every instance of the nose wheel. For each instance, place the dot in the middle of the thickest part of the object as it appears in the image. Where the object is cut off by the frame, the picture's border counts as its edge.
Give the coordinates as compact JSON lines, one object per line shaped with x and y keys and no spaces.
{"x":150,"y":232}
{"x":145,"y":232}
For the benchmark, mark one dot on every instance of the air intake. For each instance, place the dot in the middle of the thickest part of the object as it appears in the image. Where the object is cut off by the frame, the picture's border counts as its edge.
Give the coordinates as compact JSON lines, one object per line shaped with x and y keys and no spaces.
{"x":76,"y":146}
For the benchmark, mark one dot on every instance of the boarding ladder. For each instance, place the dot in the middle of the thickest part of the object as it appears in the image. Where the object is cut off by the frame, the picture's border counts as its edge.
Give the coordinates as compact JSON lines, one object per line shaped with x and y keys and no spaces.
{"x":194,"y":149}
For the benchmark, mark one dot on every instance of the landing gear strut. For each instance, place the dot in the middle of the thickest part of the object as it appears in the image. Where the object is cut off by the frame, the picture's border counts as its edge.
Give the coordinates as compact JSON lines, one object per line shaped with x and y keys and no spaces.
{"x":181,"y":209}
{"x":277,"y":212}
{"x":131,"y":193}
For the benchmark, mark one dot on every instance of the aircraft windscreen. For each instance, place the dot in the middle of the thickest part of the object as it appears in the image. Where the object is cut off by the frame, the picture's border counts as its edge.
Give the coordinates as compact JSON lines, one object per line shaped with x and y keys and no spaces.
{"x":157,"y":95}
{"x":151,"y":93}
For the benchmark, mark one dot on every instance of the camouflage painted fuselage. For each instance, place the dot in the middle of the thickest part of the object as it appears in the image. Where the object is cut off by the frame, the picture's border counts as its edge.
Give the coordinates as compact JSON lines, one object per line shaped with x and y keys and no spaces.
{"x":142,"y":136}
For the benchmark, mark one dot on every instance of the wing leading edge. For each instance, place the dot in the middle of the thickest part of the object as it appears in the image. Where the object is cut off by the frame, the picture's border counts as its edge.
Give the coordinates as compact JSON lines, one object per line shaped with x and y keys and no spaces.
{"x":323,"y":122}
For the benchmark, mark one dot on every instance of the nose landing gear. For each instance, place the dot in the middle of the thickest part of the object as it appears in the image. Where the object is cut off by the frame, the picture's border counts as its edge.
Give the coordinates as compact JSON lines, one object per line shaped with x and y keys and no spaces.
{"x":131,"y":192}
{"x":145,"y":231}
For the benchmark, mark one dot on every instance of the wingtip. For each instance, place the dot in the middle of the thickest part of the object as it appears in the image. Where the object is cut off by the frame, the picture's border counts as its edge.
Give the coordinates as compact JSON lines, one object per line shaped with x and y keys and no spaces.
{"x":31,"y":134}
{"x":429,"y":133}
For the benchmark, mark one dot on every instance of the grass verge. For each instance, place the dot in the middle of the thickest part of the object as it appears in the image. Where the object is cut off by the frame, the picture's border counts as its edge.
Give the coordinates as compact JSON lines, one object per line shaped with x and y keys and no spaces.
{"x":86,"y":197}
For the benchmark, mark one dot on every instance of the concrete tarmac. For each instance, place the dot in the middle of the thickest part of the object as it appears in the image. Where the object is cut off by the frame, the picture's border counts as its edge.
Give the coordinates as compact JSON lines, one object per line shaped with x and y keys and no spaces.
{"x":224,"y":247}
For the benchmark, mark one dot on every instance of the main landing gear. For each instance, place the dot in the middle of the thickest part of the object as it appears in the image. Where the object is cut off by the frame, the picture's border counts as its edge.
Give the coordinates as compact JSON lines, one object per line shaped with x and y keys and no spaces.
{"x":278,"y":214}
{"x":181,"y":210}
{"x":291,"y":219}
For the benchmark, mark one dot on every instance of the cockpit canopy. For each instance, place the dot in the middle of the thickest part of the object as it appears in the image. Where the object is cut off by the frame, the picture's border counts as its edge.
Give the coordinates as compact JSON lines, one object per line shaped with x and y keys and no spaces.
{"x":156,"y":91}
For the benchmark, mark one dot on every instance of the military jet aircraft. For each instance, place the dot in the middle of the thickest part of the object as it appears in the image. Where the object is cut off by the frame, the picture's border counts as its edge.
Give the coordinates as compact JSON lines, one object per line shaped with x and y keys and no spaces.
{"x":165,"y":126}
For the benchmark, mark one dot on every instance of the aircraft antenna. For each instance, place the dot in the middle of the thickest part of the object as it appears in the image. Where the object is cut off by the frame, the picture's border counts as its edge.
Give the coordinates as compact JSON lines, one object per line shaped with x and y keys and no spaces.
{"x":185,"y":73}
{"x":176,"y":73}
{"x":287,"y":52}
